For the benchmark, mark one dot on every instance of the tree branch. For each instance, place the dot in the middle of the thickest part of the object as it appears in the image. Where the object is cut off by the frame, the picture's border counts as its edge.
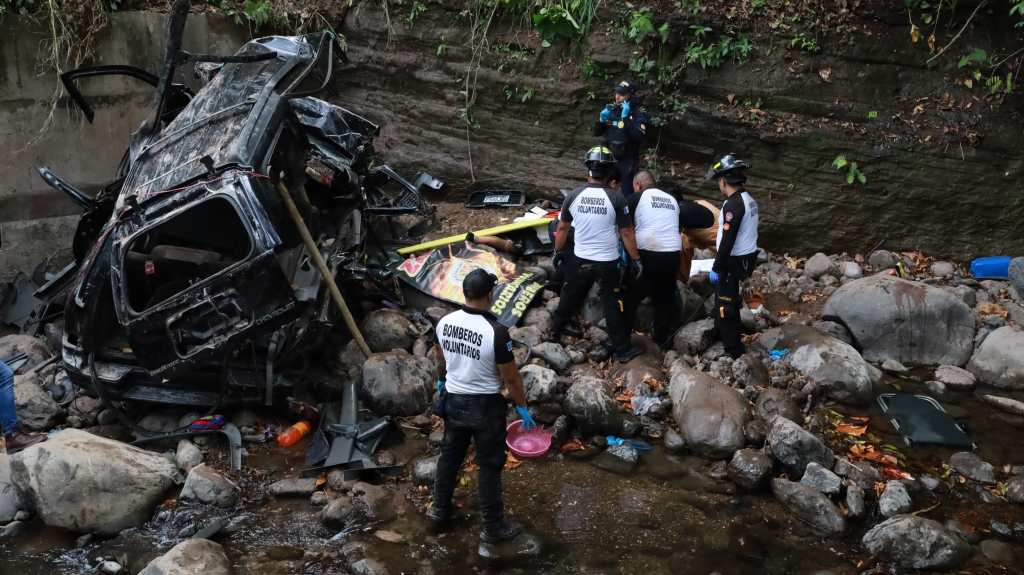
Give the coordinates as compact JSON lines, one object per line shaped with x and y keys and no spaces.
{"x":953,"y":41}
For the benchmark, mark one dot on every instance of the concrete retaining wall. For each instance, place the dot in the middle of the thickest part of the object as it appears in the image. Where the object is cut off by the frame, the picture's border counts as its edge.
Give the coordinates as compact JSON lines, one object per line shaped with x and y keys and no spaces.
{"x":36,"y":222}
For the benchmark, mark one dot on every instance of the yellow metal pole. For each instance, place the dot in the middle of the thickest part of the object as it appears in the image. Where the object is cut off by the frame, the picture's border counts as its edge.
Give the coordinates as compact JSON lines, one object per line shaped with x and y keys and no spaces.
{"x":322,"y":266}
{"x":485,"y":232}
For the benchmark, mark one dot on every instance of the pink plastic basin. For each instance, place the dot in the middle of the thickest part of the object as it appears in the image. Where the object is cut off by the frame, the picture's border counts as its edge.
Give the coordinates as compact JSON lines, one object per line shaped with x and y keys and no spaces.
{"x":527,"y":444}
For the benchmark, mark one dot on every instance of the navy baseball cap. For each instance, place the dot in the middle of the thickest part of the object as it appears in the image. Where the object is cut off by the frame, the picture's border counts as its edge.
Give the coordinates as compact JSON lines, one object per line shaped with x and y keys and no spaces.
{"x":478,"y":283}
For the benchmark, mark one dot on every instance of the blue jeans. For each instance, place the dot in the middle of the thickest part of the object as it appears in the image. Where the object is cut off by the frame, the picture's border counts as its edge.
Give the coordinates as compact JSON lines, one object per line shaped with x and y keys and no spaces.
{"x":8,"y":417}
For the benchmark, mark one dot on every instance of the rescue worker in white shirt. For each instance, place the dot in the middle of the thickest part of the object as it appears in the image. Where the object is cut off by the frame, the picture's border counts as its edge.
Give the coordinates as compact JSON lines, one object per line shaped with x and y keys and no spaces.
{"x":737,"y":249}
{"x":658,"y":218}
{"x":474,"y":356}
{"x":598,"y":217}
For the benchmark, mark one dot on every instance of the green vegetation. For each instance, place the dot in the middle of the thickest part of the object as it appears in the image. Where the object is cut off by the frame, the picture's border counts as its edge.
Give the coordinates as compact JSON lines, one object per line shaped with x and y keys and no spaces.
{"x":641,"y":26}
{"x":415,"y":10}
{"x":16,"y":7}
{"x":712,"y":54}
{"x":568,"y":20}
{"x":984,"y":69}
{"x":1017,"y":9}
{"x":805,"y":43}
{"x":692,"y":6}
{"x":853,"y":172}
{"x":442,"y":48}
{"x":517,"y":94}
{"x":872,"y":115}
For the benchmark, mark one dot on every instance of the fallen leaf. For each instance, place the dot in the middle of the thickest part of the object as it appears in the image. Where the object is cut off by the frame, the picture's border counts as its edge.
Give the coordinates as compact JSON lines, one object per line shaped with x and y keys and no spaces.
{"x":732,"y":99}
{"x":989,"y":308}
{"x":915,"y":33}
{"x":931,"y":42}
{"x":826,"y":74}
{"x":918,"y":109}
{"x":511,"y":462}
{"x":894,"y":473}
{"x":854,"y":430}
{"x":574,"y":445}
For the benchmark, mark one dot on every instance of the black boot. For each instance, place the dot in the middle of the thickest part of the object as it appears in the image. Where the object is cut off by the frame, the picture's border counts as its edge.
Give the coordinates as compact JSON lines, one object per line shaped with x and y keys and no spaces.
{"x":504,"y":531}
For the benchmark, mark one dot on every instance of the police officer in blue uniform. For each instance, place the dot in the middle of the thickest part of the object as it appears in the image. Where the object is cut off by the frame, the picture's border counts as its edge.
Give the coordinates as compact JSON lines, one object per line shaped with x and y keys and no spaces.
{"x":623,"y":129}
{"x":737,"y":249}
{"x":474,"y":355}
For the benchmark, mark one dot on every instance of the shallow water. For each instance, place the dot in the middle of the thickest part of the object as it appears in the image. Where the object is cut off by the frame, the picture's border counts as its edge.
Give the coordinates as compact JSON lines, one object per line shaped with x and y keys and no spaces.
{"x":666,"y":516}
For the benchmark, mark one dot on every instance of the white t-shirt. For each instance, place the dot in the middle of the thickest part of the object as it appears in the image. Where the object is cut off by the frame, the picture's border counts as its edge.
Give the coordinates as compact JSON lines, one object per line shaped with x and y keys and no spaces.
{"x":740,"y":207}
{"x":474,"y":343}
{"x":656,"y":216}
{"x":596,"y":214}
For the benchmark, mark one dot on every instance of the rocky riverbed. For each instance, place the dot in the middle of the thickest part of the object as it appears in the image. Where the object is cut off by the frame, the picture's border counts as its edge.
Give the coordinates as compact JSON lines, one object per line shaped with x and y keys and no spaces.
{"x":778,"y":462}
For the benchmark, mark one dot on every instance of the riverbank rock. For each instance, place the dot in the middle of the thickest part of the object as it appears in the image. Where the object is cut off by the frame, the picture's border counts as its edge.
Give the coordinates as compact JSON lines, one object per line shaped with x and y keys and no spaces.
{"x":973,"y":467}
{"x":710,"y":414}
{"x":36,"y":410}
{"x":86,"y":483}
{"x":810,"y":506}
{"x":205,"y":485}
{"x":955,"y":378}
{"x":293,"y":487}
{"x":794,"y":447}
{"x":916,"y":543}
{"x":999,"y":360}
{"x":774,"y":401}
{"x":749,"y":468}
{"x":540,"y":383}
{"x":1016,"y":275}
{"x":821,"y":479}
{"x":589,"y":401}
{"x":554,"y":354}
{"x":817,"y":265}
{"x":910,"y":322}
{"x":835,"y":366}
{"x":35,"y":348}
{"x":397,"y":383}
{"x":187,"y":455}
{"x":1015,"y":489}
{"x":695,"y":337}
{"x":388,"y":329}
{"x":895,"y":500}
{"x":191,"y":557}
{"x":10,"y":499}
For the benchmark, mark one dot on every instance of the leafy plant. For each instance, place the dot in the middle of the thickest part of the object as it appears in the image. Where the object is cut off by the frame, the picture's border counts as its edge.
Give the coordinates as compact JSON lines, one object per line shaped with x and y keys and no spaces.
{"x":564,"y":20}
{"x":853,"y":172}
{"x":872,"y":115}
{"x":442,"y":49}
{"x":805,"y":43}
{"x":1018,"y":9}
{"x":712,"y":55}
{"x":642,"y":66}
{"x":640,"y":25}
{"x":757,"y":5}
{"x":415,"y":10}
{"x":21,"y":7}
{"x":513,"y":92}
{"x":691,"y":6}
{"x":974,"y":57}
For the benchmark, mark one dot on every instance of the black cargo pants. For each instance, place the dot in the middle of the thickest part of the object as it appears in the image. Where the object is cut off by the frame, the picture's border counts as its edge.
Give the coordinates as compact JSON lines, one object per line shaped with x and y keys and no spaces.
{"x":580,"y":275}
{"x":661,"y":269}
{"x":480,"y":419}
{"x":728,"y":302}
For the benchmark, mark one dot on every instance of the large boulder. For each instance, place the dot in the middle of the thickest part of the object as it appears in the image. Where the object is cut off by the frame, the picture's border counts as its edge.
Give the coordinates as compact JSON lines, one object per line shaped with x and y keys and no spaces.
{"x":87,"y":483}
{"x":36,"y":410}
{"x":540,"y":383}
{"x":794,"y":447}
{"x":35,"y":348}
{"x":835,"y":366}
{"x":818,"y":265}
{"x":1016,"y":274}
{"x":748,"y":468}
{"x":190,"y":557}
{"x":910,"y":322}
{"x":710,"y":414}
{"x":590,"y":401}
{"x":810,"y":505}
{"x":695,"y":337}
{"x":10,"y":499}
{"x":999,"y":360}
{"x":916,"y":543}
{"x":397,"y":383}
{"x":388,"y":329}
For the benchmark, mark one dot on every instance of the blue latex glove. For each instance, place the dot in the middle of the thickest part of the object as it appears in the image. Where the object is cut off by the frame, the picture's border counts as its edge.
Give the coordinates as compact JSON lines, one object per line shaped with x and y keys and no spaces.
{"x":440,"y":384}
{"x":606,"y":114}
{"x":625,"y":109}
{"x":713,"y":276}
{"x":524,"y":414}
{"x":638,"y":269}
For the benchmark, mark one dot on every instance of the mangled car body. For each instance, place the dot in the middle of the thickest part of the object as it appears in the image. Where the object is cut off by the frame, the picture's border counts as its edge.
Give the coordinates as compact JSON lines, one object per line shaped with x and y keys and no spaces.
{"x":190,"y":279}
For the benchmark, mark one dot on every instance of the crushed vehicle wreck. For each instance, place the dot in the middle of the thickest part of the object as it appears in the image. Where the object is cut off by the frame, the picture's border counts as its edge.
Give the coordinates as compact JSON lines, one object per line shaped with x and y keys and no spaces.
{"x":191,"y":282}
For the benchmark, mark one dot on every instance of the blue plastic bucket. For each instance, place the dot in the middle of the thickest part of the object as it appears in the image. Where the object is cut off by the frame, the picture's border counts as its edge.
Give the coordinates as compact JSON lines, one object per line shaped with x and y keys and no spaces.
{"x":993,"y":267}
